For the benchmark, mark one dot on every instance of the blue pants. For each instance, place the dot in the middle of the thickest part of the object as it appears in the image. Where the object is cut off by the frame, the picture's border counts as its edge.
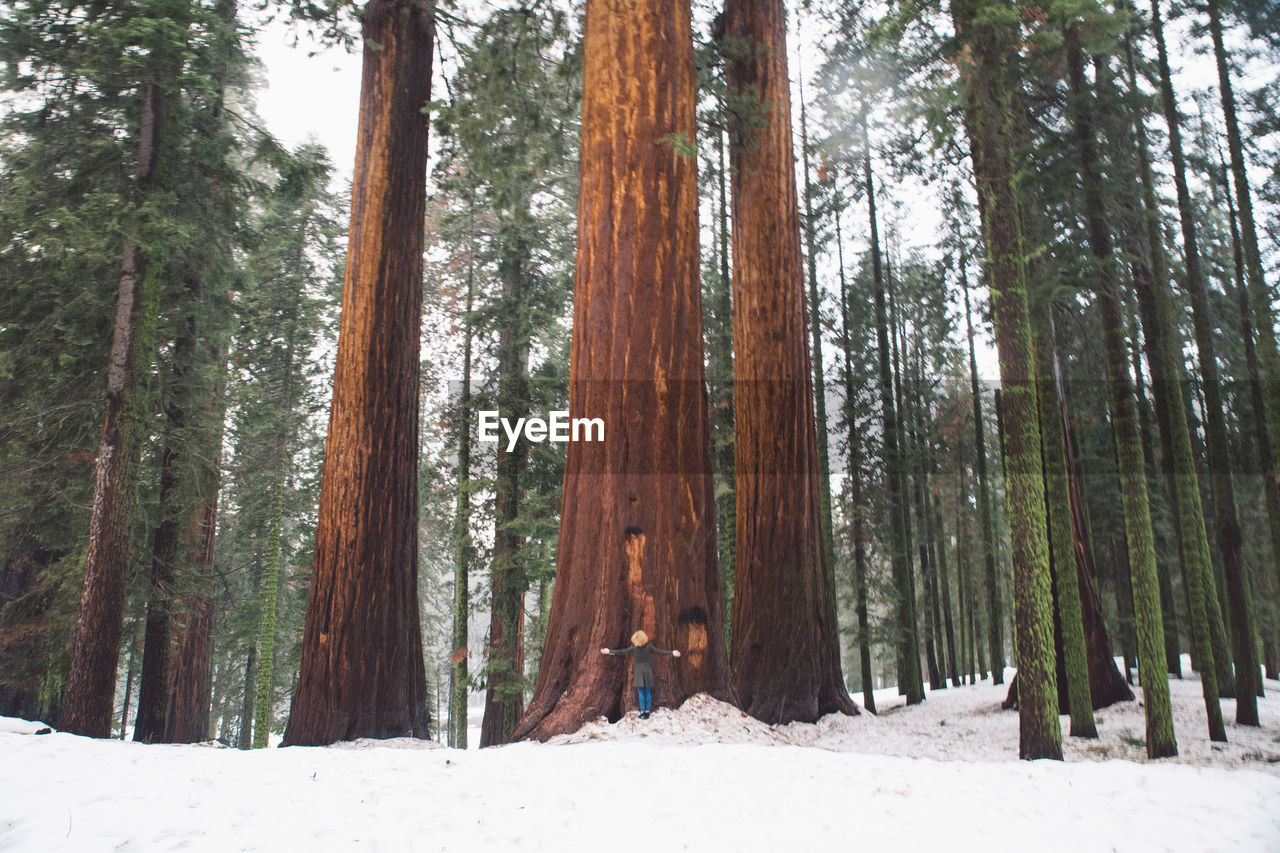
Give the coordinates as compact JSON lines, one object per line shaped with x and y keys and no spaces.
{"x":645,"y":695}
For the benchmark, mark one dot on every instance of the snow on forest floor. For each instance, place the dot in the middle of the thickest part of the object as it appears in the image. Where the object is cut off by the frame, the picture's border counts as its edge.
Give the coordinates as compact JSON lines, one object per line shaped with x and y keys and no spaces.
{"x":703,"y":777}
{"x":966,"y":724}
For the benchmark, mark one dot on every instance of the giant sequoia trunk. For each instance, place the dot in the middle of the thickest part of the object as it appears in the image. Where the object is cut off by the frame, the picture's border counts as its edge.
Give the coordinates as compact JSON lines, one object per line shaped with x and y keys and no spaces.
{"x":362,"y":672}
{"x":986,"y":38}
{"x":88,"y":703}
{"x":786,"y":653}
{"x":637,"y":538}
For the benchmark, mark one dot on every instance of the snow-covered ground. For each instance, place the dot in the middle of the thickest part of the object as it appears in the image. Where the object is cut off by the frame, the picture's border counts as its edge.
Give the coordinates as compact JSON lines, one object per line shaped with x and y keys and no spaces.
{"x":942,"y":775}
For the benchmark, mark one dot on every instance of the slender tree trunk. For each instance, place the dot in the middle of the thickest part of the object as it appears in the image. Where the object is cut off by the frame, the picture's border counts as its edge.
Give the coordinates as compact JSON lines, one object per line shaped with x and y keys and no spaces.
{"x":128,"y":689}
{"x":995,"y":620}
{"x":1212,"y":580}
{"x":1265,"y":459}
{"x":986,"y":38}
{"x":720,"y":378}
{"x":459,"y":678}
{"x":89,"y":700}
{"x":362,"y":672}
{"x":268,"y":595}
{"x":245,"y":739}
{"x":934,"y":649}
{"x":930,"y":599}
{"x":855,"y":489}
{"x":1256,"y":314}
{"x":1142,"y":565}
{"x":149,"y":724}
{"x":1076,"y":690}
{"x":815,"y":341}
{"x":968,"y":642}
{"x":1226,"y":521}
{"x":897,"y":347}
{"x":637,"y":538}
{"x":906,"y":645}
{"x":953,"y":663}
{"x":786,"y":651}
{"x":190,"y":689}
{"x":189,"y":692}
{"x":1168,"y":604}
{"x":1263,"y":319}
{"x":504,"y":697}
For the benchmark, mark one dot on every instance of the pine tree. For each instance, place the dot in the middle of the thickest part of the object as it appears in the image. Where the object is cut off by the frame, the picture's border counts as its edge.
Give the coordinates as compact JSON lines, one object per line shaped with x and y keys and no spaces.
{"x":90,"y":691}
{"x":986,"y":31}
{"x":1155,"y":686}
{"x":908,"y":657}
{"x":1228,"y":527}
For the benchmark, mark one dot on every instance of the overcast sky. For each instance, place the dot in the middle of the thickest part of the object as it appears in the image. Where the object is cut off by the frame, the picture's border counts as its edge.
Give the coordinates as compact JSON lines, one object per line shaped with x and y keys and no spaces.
{"x":310,"y":96}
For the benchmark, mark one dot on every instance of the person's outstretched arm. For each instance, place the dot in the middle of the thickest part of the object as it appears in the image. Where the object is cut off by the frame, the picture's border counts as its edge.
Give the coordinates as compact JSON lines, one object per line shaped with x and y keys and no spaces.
{"x":658,"y":651}
{"x":628,"y":650}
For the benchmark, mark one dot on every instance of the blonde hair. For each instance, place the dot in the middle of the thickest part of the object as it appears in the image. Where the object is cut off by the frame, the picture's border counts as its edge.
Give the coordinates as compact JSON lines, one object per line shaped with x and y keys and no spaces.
{"x":639,"y":638}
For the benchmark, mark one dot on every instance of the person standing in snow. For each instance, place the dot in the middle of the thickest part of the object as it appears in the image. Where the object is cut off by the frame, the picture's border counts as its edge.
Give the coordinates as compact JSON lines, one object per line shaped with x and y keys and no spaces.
{"x":642,"y":670}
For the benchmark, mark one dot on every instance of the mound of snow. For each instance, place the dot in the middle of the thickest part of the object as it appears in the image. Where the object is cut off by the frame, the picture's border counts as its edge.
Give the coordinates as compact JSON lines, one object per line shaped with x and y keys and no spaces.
{"x":701,"y":719}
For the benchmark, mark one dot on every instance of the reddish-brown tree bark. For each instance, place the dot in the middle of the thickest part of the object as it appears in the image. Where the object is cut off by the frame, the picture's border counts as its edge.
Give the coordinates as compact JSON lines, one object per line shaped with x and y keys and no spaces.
{"x":362,"y":672}
{"x":637,"y":542}
{"x":786,"y":656}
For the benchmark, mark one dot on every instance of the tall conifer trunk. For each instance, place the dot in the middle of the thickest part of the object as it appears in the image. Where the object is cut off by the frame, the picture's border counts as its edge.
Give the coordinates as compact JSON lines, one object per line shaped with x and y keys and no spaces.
{"x":190,"y":688}
{"x":815,"y":336}
{"x":1058,"y":506}
{"x":167,"y":550}
{"x":986,"y":35}
{"x":459,"y":679}
{"x":362,"y":672}
{"x":995,"y":623}
{"x":906,"y":644}
{"x":1259,"y":296}
{"x":785,"y":652}
{"x":1226,"y":522}
{"x":504,"y":697}
{"x":861,"y":590}
{"x":1133,"y":478}
{"x":637,"y":540}
{"x":89,"y":699}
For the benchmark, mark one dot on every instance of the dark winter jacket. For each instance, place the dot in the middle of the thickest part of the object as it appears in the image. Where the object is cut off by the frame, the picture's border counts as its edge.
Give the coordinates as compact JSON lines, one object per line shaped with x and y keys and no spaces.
{"x":643,"y":669}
